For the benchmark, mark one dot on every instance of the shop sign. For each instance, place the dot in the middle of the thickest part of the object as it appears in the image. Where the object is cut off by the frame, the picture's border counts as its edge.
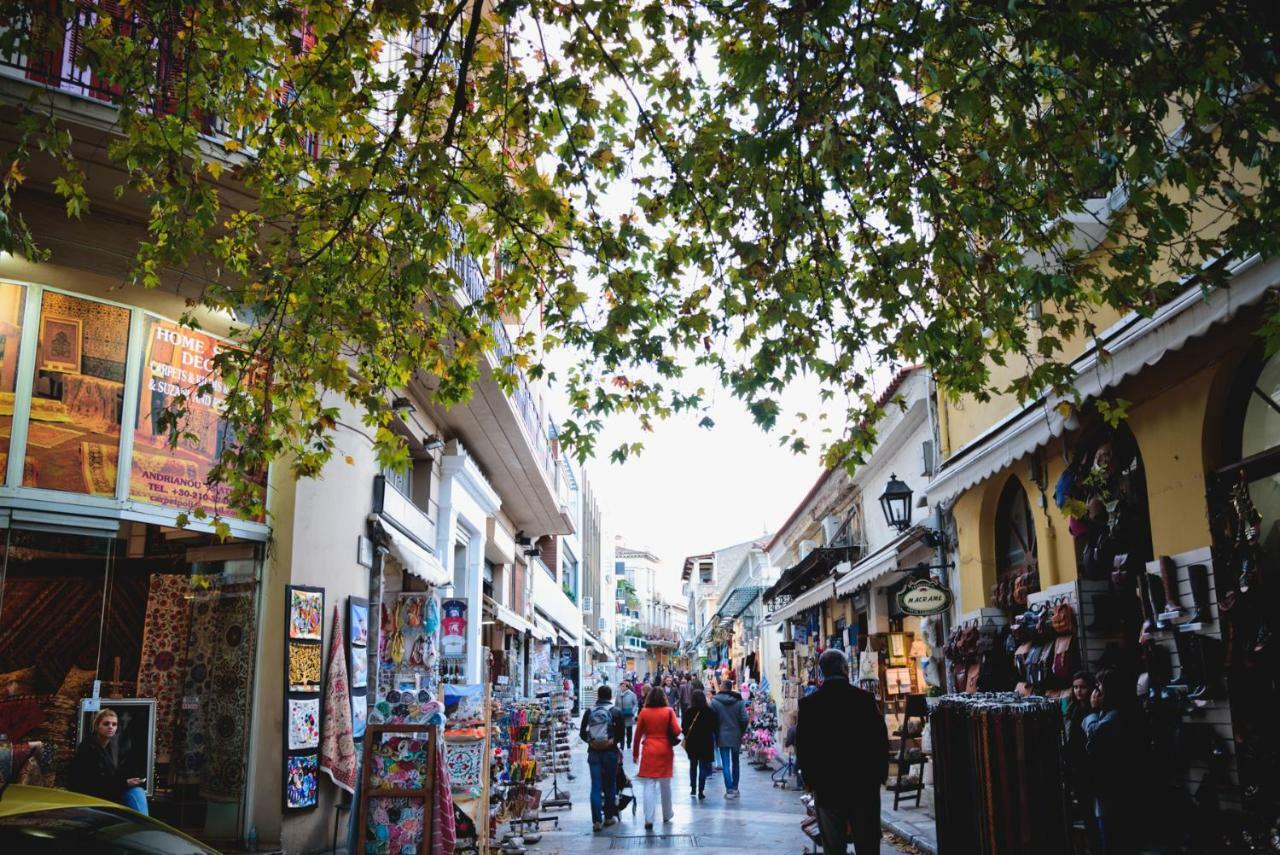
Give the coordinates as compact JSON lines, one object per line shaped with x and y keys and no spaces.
{"x":453,"y":628}
{"x":924,"y":597}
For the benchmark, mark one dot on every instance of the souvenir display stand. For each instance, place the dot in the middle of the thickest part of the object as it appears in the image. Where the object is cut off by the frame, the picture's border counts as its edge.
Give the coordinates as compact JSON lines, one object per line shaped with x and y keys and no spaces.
{"x":524,"y":732}
{"x":555,"y":748}
{"x":760,"y":738}
{"x":999,"y":789}
{"x":467,"y":756}
{"x":397,"y":783}
{"x":910,"y":752}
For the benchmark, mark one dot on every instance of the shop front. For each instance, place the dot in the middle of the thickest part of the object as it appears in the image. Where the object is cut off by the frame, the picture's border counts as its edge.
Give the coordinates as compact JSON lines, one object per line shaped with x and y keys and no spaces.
{"x":106,"y":602}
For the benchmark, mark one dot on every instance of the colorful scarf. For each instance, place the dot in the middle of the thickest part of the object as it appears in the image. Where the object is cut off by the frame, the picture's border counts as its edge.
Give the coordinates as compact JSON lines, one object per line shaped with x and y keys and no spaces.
{"x":338,"y":745}
{"x":443,"y":828}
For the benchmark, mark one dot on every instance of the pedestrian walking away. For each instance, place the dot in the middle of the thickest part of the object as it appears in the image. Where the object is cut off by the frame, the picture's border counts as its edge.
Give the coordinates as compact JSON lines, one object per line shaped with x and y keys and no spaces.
{"x":732,"y":715}
{"x":686,"y":694}
{"x":628,"y":705}
{"x":699,"y":724}
{"x":657,"y":733}
{"x":603,"y":730}
{"x":842,"y":749}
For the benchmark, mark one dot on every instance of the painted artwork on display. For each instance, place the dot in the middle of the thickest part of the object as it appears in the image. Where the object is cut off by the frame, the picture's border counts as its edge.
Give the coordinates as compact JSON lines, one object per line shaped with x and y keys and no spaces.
{"x":302,"y":774}
{"x":464,"y":703}
{"x":305,"y":610}
{"x":61,"y":342}
{"x":304,"y":667}
{"x":359,"y":715}
{"x":358,"y":621}
{"x":359,"y":668}
{"x":304,"y":723}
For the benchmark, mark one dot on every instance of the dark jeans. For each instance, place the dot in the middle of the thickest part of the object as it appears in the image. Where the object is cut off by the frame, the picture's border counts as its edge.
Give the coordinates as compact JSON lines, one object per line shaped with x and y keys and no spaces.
{"x":604,"y":783}
{"x":729,"y":766}
{"x":699,"y":771}
{"x":631,"y":729}
{"x":863,"y":814}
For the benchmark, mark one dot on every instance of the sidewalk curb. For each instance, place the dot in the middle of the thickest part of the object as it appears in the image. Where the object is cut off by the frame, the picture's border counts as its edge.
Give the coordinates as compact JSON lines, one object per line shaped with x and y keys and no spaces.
{"x":924,"y":844}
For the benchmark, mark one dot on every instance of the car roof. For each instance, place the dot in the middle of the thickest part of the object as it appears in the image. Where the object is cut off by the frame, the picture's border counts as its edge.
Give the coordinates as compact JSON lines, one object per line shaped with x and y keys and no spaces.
{"x":21,"y":798}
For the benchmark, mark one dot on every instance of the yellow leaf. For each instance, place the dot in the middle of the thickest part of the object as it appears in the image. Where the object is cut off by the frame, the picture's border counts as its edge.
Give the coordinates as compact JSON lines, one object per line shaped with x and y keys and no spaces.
{"x":351,"y":461}
{"x":215,"y":169}
{"x":231,"y":145}
{"x":15,"y":174}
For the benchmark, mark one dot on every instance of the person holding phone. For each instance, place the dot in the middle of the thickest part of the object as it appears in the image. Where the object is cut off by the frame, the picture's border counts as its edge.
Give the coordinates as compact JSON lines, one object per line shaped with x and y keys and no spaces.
{"x":96,"y":769}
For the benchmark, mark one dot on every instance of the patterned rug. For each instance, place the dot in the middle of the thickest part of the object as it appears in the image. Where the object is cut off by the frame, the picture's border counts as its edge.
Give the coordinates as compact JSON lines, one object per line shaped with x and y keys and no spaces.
{"x":219,"y":678}
{"x":164,"y":654}
{"x":44,"y":436}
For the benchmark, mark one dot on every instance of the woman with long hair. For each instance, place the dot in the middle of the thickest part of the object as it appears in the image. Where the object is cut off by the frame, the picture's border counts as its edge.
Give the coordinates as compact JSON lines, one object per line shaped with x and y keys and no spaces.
{"x":657,"y":732}
{"x":96,"y":768}
{"x":700,"y":724}
{"x":1116,"y":743}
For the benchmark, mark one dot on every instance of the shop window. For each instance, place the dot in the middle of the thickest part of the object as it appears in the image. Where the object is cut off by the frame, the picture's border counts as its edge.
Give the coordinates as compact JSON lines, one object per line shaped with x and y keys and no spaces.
{"x":13,"y":300}
{"x":167,"y":619}
{"x":1015,"y":531}
{"x":77,"y":396}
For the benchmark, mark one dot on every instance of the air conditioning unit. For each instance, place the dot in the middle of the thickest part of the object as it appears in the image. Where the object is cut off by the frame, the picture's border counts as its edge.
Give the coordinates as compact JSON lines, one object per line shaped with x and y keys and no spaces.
{"x":830,"y":530}
{"x":586,"y":603}
{"x":806,"y":546}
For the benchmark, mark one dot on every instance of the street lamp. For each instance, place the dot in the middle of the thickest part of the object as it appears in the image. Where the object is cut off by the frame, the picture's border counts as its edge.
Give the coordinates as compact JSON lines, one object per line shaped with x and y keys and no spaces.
{"x":895,"y":501}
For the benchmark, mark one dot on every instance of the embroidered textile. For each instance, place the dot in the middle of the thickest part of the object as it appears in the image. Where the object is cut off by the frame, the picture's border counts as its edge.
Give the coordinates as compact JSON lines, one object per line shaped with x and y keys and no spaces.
{"x":164,"y":654}
{"x":338,"y":747}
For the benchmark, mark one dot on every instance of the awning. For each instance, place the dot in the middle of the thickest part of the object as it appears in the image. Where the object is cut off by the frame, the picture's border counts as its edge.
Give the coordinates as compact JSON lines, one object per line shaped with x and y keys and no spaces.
{"x":594,"y":643}
{"x":567,"y":636}
{"x":819,"y":593}
{"x":506,"y":616}
{"x":1130,"y":345}
{"x":414,"y":558}
{"x":818,"y":562}
{"x":738,"y":601}
{"x":543,"y":629}
{"x":879,"y":563}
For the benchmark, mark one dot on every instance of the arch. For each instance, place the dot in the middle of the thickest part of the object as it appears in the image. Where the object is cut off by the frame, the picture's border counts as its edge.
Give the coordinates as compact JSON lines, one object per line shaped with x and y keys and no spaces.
{"x":1108,"y":487}
{"x":1015,"y":531}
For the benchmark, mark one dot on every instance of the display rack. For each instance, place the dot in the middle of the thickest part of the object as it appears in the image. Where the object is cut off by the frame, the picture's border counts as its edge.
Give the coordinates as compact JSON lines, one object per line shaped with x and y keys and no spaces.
{"x":910,"y":752}
{"x":424,"y":775}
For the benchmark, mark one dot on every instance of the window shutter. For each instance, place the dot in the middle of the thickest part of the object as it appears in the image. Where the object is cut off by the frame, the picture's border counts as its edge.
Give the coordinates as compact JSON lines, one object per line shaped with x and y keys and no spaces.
{"x":48,"y":42}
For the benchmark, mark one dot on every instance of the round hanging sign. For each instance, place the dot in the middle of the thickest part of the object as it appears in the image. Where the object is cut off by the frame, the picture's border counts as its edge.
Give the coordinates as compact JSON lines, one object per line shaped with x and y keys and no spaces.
{"x":924,"y":597}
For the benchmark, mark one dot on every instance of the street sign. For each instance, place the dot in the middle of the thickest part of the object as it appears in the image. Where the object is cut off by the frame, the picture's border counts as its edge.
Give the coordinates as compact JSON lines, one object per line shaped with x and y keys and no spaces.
{"x":924,"y":597}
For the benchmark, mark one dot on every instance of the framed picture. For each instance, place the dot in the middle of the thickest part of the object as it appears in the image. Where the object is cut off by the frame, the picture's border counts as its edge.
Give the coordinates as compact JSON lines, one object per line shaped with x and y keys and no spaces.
{"x":306,"y":613}
{"x":897,"y":649}
{"x":60,"y":344}
{"x":358,"y":621}
{"x":135,"y":737}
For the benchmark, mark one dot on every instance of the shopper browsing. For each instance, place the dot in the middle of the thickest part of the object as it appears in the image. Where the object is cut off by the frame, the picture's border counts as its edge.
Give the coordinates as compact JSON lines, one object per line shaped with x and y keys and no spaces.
{"x":842,"y":749}
{"x":732,"y":715}
{"x":603,"y":731}
{"x":1116,"y":744}
{"x":657,"y":733}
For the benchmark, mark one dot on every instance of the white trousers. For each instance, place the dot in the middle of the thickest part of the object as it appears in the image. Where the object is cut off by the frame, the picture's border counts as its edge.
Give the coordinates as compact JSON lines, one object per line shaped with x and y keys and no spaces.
{"x":649,"y":788}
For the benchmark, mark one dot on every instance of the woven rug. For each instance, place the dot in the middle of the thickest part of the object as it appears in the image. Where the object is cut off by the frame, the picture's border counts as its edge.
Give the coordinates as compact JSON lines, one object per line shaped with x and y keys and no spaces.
{"x":164,"y":653}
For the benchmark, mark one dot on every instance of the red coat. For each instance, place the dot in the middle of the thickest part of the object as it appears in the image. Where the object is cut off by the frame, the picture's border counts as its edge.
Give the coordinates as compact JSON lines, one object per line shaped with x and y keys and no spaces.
{"x":653,"y":726}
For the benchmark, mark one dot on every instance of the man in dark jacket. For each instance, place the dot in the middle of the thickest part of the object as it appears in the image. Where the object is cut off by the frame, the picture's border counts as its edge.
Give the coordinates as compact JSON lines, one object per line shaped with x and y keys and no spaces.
{"x":603,"y":729}
{"x":842,"y":749}
{"x":733,"y":718}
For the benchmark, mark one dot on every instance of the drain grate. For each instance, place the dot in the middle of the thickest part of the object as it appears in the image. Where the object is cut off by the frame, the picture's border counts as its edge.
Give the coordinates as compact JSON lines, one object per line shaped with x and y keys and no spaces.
{"x":655,"y":841}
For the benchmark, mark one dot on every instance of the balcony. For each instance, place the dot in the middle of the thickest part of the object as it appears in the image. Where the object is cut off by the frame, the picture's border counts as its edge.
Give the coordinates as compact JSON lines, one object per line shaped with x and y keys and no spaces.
{"x":660,"y":636}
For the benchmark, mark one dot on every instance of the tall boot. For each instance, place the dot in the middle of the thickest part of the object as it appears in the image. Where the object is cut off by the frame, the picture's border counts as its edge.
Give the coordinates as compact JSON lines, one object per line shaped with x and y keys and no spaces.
{"x":1169,"y":581}
{"x":1158,"y":602}
{"x":1148,"y":613}
{"x":1190,"y":664}
{"x":1210,"y":664}
{"x":1198,"y":574}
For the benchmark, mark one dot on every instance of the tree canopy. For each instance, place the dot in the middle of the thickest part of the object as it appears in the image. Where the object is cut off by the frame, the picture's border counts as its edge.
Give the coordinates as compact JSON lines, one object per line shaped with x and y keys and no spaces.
{"x":768,"y":189}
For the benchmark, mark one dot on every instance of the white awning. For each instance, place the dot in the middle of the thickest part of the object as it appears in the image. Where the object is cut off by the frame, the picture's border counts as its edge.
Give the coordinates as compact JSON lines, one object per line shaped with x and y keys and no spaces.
{"x":543,"y":629}
{"x":819,"y":593}
{"x":1130,"y":345}
{"x":879,"y":563}
{"x":567,"y":636}
{"x":414,"y":558}
{"x":594,"y":643}
{"x":504,"y":615}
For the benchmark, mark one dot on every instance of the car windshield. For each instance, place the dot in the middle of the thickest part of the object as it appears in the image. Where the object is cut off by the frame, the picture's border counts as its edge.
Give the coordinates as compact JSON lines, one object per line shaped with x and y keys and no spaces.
{"x":92,"y":831}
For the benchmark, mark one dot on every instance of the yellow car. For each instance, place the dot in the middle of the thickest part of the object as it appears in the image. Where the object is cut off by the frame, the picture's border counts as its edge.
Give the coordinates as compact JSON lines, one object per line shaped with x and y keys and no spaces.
{"x":40,"y":820}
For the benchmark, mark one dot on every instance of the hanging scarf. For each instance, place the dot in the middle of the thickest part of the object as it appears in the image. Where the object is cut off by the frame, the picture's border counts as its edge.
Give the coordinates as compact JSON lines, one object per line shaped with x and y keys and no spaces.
{"x":444,"y":835}
{"x":338,"y":745}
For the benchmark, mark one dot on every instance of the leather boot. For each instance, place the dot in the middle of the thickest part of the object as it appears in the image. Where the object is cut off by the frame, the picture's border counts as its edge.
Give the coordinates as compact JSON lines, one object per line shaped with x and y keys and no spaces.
{"x":1148,"y":613}
{"x":1189,"y":662}
{"x":1209,"y":651}
{"x":1169,"y":581}
{"x":1158,"y":603}
{"x":1199,"y":577}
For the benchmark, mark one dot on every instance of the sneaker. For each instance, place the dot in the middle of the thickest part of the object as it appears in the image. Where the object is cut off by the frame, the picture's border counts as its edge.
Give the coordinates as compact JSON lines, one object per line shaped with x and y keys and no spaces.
{"x":597,"y":826}
{"x":613,"y":820}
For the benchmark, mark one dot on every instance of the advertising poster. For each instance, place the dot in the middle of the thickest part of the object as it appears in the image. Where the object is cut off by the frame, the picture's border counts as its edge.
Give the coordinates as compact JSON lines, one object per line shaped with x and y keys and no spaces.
{"x":178,"y":361}
{"x":453,"y":628}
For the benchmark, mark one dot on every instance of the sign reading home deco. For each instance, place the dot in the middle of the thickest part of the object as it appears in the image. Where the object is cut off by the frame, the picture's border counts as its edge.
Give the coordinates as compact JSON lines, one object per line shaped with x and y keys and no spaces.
{"x":924,"y":597}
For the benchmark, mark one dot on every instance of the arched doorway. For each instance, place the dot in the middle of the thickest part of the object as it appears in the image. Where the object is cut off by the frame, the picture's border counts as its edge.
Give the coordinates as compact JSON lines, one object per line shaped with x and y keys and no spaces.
{"x":1017,"y":564}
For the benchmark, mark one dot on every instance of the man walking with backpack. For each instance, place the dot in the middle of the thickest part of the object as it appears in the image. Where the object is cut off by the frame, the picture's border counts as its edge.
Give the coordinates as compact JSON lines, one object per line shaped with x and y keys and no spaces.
{"x":732,"y":715}
{"x":603,"y":731}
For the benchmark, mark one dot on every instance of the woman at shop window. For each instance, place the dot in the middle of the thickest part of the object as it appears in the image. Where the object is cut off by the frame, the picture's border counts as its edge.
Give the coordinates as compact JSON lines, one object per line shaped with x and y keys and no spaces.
{"x":700,"y":725}
{"x":1116,"y":744}
{"x":96,"y":770}
{"x":653,"y":746}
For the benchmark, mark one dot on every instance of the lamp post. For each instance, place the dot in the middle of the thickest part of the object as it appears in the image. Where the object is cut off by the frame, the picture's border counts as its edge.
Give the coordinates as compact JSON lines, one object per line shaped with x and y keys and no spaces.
{"x":895,"y":501}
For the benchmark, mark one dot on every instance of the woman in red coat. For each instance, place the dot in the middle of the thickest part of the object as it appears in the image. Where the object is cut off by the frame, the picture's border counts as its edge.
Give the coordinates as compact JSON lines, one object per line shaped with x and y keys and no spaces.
{"x":656,"y":729}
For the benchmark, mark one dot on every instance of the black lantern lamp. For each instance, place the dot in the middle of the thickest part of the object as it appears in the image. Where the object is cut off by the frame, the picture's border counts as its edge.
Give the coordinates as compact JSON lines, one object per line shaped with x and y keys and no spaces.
{"x":895,"y":501}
